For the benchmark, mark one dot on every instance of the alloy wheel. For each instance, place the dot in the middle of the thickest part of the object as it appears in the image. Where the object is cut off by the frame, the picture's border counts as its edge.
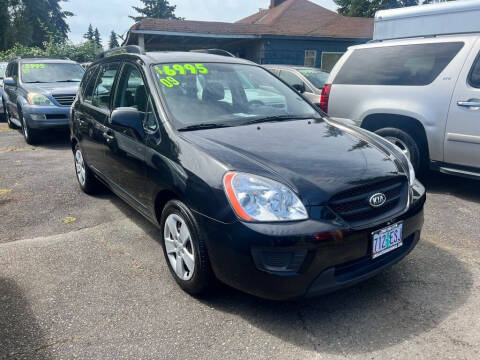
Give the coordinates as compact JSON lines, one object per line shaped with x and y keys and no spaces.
{"x":400,"y":144}
{"x":25,"y":127}
{"x":179,"y":247}
{"x":80,"y":167}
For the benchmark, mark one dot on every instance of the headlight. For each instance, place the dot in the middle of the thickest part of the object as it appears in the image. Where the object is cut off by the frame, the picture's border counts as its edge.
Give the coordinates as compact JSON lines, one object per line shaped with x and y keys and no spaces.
{"x":38,"y":99}
{"x":255,"y":198}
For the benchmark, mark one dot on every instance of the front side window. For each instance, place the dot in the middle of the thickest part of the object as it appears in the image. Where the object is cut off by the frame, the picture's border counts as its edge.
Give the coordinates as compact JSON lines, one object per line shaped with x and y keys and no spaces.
{"x":51,"y":72}
{"x":103,"y":89}
{"x":132,"y":92}
{"x":225,"y":94}
{"x":408,"y":65}
{"x":474,"y":78}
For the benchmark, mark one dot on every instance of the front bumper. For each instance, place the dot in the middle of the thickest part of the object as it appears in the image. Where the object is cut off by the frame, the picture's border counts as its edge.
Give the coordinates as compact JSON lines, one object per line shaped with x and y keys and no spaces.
{"x":291,"y":260}
{"x":47,"y":117}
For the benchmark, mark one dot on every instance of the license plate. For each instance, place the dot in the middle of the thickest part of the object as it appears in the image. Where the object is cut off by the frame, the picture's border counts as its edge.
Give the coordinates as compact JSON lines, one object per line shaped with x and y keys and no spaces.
{"x":387,"y":239}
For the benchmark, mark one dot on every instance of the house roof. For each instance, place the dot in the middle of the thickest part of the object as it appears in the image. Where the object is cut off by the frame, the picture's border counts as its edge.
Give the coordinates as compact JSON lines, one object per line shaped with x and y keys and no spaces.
{"x":291,"y":18}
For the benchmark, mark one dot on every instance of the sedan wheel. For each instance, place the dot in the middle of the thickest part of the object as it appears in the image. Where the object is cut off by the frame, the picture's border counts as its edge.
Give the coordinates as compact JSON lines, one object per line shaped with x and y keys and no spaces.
{"x":80,"y":167}
{"x":179,"y":247}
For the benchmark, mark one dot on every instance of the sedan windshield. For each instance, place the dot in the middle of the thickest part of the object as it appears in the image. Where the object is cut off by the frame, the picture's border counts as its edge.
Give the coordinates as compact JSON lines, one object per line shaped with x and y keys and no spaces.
{"x":51,"y":73}
{"x":210,"y":94}
{"x":316,"y":77}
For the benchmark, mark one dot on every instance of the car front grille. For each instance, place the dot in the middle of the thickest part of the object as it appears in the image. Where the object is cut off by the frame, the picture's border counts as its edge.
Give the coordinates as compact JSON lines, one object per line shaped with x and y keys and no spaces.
{"x":354,"y":207}
{"x":65,"y":100}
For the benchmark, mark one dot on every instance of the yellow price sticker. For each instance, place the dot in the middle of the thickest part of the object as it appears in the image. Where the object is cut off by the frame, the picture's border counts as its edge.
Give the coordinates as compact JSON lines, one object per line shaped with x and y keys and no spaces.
{"x":169,"y":71}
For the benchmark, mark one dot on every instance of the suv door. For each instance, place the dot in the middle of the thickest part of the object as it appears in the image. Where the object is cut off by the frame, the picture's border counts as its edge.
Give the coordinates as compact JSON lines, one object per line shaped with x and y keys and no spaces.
{"x":462,"y":140}
{"x":11,"y":91}
{"x":126,"y":155}
{"x":94,"y":112}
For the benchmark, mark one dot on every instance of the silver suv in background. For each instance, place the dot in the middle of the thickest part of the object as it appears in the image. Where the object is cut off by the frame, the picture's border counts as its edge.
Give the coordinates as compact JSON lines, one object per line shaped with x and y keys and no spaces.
{"x":423,"y":94}
{"x":306,"y":80}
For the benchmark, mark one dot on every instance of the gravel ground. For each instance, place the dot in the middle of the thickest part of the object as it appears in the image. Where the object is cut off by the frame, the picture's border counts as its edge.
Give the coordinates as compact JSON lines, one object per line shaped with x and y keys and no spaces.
{"x":84,"y":278}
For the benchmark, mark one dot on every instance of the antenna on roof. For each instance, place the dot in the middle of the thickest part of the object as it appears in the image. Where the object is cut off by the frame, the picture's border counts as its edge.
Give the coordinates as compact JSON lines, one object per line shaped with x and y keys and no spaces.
{"x":129,"y":49}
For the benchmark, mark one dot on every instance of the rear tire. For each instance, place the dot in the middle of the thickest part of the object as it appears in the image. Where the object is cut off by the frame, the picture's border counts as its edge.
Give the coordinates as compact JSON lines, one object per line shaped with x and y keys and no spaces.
{"x":86,"y":179}
{"x":194,"y":275}
{"x":10,"y":124}
{"x":407,"y":144}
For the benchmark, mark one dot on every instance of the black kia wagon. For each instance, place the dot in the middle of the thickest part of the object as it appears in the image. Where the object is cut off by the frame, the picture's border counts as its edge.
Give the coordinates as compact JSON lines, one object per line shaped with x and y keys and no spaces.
{"x":247,"y":181}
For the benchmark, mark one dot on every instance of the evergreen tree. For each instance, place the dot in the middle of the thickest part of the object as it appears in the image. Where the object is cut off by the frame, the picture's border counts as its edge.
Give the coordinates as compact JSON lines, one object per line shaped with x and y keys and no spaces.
{"x":96,"y":38}
{"x":58,"y":20}
{"x":89,"y":34}
{"x":367,"y":8}
{"x":159,"y":9}
{"x":113,"y":43}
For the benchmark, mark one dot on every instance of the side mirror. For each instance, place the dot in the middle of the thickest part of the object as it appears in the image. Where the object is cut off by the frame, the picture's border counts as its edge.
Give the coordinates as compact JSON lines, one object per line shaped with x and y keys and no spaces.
{"x":9,"y":82}
{"x":299,"y":87}
{"x":128,"y":120}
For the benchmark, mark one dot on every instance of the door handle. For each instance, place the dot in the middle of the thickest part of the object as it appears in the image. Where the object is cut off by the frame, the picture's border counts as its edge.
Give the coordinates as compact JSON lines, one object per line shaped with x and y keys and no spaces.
{"x":108,"y":136}
{"x":473,"y":104}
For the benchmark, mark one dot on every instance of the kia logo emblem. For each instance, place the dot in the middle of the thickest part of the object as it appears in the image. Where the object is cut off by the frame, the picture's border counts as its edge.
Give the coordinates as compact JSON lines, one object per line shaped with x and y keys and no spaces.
{"x":377,"y":200}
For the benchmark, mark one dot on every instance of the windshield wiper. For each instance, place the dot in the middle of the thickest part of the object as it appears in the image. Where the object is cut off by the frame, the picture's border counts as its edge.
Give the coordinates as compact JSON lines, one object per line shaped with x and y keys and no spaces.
{"x":67,"y":81}
{"x":203,"y":126}
{"x":36,"y":82}
{"x":279,"y":118}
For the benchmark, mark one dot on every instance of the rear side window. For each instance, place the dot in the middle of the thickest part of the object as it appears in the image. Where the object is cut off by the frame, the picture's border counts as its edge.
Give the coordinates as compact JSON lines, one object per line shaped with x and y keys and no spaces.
{"x":103,"y":90}
{"x":409,"y":65}
{"x":90,"y":82}
{"x":474,"y":78}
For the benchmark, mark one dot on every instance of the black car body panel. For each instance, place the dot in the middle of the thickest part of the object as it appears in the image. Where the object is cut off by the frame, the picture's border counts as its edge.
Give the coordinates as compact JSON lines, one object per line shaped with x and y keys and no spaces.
{"x":317,"y":158}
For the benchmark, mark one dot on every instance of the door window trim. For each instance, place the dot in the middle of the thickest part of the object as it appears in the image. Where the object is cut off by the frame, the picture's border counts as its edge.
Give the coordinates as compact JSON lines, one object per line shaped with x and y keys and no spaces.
{"x":475,"y":63}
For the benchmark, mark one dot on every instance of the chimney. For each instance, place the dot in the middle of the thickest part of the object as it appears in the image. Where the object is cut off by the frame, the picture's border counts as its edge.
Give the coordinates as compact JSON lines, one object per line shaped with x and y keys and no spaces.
{"x":274,"y":3}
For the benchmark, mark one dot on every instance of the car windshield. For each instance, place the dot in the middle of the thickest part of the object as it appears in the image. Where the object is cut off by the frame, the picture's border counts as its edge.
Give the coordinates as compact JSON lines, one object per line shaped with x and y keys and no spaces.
{"x":51,"y":72}
{"x":3,"y":68}
{"x":317,"y":77}
{"x":212,"y":94}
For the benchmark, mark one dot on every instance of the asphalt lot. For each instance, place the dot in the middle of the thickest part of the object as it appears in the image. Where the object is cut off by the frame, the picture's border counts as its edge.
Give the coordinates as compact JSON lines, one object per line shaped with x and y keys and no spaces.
{"x":84,"y":278}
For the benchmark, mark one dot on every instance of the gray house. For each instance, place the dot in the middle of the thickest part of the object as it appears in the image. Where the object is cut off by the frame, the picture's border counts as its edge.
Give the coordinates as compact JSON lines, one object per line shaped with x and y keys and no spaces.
{"x":296,"y":32}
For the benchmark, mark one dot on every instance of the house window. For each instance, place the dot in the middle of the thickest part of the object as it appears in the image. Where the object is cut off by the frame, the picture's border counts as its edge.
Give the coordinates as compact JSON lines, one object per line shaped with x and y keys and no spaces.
{"x":310,"y":57}
{"x":329,"y":59}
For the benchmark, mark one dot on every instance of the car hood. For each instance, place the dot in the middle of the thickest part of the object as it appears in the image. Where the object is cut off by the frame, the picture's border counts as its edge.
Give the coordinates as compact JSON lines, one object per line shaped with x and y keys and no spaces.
{"x":53,"y":88}
{"x":316,"y":158}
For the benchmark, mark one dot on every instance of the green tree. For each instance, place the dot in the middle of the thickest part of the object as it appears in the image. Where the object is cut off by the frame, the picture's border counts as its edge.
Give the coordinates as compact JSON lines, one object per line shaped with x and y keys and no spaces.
{"x":368,"y":8}
{"x":159,"y":9}
{"x":96,"y":38}
{"x":113,"y":42}
{"x":5,"y":24}
{"x":89,"y":34}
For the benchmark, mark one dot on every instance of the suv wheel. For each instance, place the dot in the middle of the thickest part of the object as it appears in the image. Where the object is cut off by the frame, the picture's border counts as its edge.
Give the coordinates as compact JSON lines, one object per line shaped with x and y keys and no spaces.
{"x":406,"y":143}
{"x":10,"y":124}
{"x":30,"y":135}
{"x":87,"y":181}
{"x":185,"y":250}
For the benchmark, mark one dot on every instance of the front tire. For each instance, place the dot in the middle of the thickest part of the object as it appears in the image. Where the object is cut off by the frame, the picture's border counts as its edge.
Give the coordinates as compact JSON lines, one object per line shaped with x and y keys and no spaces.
{"x":86,"y":180}
{"x":31,"y":136}
{"x":407,"y":145}
{"x":185,"y":250}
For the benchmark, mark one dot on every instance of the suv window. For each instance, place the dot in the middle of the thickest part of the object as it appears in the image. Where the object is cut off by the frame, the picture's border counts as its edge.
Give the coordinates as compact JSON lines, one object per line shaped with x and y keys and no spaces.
{"x":132,"y":92}
{"x":90,"y":83}
{"x":411,"y":65}
{"x":103,"y":90}
{"x":474,"y":78}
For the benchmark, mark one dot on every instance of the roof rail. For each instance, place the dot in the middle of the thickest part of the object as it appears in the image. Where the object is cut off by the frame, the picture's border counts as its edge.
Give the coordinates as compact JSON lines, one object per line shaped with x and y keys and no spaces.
{"x":42,"y":57}
{"x":129,"y":49}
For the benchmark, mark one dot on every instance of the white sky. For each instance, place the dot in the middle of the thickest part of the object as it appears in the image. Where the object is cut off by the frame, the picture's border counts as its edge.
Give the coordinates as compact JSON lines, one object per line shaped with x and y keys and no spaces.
{"x":110,"y":15}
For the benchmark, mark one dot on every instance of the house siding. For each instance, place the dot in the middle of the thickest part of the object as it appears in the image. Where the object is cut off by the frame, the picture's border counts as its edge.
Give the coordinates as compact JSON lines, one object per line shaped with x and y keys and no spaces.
{"x":292,"y":51}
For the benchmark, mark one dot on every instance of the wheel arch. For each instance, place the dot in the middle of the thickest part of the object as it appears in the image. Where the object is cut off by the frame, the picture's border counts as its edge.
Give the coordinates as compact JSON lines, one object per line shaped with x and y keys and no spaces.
{"x":161,"y":199}
{"x":408,"y":124}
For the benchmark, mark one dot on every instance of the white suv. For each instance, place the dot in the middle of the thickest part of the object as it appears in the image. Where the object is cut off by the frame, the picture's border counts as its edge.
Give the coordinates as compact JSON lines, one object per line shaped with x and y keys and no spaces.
{"x":423,"y":94}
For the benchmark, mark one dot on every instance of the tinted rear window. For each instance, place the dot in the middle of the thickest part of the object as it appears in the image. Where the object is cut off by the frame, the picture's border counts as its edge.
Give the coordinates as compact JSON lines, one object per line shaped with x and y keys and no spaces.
{"x":411,"y":65}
